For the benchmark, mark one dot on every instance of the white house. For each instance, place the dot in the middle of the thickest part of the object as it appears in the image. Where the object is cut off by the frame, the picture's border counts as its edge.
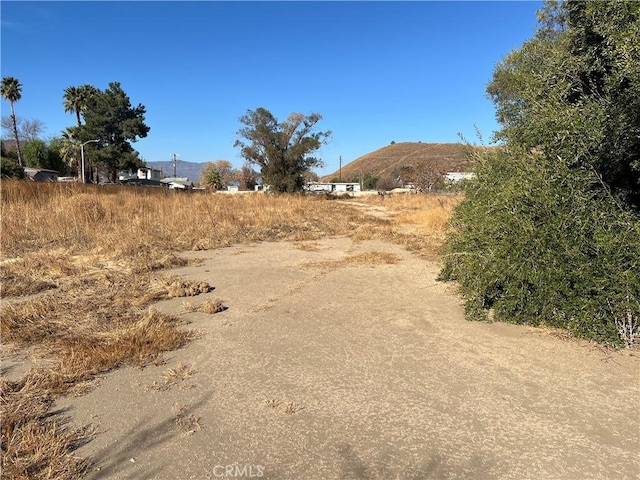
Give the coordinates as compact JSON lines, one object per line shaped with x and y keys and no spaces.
{"x":179,"y":183}
{"x":455,"y":177}
{"x":319,"y":187}
{"x":144,"y":173}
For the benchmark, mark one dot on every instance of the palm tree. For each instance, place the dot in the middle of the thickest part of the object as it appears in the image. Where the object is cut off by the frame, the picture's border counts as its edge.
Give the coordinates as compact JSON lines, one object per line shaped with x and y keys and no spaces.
{"x":12,"y":92}
{"x":72,"y":101}
{"x":77,"y":99}
{"x":69,"y":150}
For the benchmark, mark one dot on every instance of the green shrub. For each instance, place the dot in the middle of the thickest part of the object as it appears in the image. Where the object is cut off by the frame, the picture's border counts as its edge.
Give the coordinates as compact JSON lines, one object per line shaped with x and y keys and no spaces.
{"x":10,"y":168}
{"x":540,"y":242}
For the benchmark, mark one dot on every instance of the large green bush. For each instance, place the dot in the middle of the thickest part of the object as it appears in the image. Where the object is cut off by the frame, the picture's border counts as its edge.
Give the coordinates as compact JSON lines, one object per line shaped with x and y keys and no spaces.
{"x":540,"y":242}
{"x":554,"y":237}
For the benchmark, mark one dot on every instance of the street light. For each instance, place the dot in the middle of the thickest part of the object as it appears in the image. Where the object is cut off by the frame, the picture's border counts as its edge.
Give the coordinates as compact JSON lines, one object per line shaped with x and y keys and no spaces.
{"x":84,"y":179}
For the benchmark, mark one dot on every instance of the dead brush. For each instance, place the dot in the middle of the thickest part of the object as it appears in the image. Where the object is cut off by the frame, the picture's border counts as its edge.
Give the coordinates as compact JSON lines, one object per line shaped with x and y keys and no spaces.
{"x":212,"y":306}
{"x":291,"y":407}
{"x":185,"y":421}
{"x":173,"y":376}
{"x":187,"y":288}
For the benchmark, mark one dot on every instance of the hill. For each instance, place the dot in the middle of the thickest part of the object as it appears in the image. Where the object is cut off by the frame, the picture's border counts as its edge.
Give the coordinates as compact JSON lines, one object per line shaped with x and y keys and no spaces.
{"x":387,"y":161}
{"x":183,"y":169}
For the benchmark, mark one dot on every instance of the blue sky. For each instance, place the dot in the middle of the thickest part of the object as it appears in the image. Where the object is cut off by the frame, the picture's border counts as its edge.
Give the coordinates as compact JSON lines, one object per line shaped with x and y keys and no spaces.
{"x":376,"y":71}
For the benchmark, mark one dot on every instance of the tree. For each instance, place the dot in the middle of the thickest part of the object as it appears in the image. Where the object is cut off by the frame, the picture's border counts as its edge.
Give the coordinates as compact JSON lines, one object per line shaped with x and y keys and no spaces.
{"x":247,"y":177}
{"x":425,"y":175}
{"x":281,"y":150}
{"x":547,"y":232}
{"x":56,"y":150}
{"x":217,"y":174}
{"x":9,"y":168}
{"x":35,"y":154}
{"x":11,"y":91}
{"x":110,"y":118}
{"x":211,"y":179}
{"x":78,"y":99}
{"x":67,"y":149}
{"x":573,"y":91}
{"x":27,"y":129}
{"x":367,"y":181}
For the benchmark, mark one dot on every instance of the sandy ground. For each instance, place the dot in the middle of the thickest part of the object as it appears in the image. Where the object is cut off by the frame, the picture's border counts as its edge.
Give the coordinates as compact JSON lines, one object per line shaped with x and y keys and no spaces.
{"x":359,"y":372}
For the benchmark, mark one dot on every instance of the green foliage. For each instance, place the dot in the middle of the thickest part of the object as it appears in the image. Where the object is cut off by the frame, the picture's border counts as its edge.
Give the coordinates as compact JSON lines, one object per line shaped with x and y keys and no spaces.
{"x":573,"y":91}
{"x":35,"y":154}
{"x":213,"y":180}
{"x":38,"y":154}
{"x":77,"y":100}
{"x":549,"y":232}
{"x":537,"y":241}
{"x":56,"y":156}
{"x":9,"y":168}
{"x":281,"y":150}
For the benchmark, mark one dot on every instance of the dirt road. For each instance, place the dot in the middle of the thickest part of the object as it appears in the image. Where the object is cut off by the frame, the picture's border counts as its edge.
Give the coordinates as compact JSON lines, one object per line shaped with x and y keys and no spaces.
{"x":329,"y":364}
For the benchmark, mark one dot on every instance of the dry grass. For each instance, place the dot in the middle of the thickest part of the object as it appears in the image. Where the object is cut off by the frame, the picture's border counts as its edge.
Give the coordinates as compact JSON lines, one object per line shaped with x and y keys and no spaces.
{"x":91,"y":253}
{"x":361,"y":259}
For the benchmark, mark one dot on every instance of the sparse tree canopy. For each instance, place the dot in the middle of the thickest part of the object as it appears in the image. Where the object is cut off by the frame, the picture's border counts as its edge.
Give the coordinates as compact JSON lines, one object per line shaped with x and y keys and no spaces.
{"x":218,"y":174}
{"x":281,"y":150}
{"x":247,"y":177}
{"x":11,"y":91}
{"x":27,"y":129}
{"x":426,"y":176}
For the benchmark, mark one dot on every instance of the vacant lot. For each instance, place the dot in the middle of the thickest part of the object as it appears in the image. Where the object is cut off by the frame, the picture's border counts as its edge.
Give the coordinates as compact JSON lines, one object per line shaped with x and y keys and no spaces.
{"x":336,"y":354}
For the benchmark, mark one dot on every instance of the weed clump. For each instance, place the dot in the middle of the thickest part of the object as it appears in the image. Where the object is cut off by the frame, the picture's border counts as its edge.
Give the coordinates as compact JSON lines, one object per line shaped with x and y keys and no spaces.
{"x":187,"y":288}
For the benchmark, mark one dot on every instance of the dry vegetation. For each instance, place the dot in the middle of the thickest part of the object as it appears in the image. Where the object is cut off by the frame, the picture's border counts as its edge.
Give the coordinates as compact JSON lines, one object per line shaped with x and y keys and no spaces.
{"x":80,"y":268}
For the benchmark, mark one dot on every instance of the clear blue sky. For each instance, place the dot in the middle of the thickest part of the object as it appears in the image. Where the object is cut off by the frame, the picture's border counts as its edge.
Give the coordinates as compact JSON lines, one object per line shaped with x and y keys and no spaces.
{"x":376,"y":71}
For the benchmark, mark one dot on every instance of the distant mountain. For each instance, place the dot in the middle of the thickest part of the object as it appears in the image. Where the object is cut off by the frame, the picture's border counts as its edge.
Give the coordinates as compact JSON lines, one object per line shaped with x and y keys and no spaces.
{"x":190,"y":170}
{"x":450,"y":157}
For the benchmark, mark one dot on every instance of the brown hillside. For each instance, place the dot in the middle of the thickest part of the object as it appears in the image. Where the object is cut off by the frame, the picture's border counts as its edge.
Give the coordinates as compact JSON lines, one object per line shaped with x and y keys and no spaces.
{"x":450,"y":157}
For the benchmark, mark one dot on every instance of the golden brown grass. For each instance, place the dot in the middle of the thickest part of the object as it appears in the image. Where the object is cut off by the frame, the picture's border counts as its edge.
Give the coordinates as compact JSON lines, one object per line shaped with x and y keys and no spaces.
{"x":92,"y":253}
{"x":361,"y":259}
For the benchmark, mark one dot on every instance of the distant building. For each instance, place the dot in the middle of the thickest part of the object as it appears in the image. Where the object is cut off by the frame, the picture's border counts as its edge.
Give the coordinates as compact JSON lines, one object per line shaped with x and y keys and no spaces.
{"x":455,"y":177}
{"x":177,"y":183}
{"x":144,"y":173}
{"x":319,"y":187}
{"x":41,"y":174}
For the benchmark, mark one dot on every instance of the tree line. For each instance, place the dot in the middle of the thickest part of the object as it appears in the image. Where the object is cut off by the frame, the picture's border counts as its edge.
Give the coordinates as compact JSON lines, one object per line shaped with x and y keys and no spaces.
{"x":107,"y":125}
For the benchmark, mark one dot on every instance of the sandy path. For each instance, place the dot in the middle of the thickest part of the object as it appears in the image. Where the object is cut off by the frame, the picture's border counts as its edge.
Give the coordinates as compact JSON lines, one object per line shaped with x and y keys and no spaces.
{"x":393,"y":381}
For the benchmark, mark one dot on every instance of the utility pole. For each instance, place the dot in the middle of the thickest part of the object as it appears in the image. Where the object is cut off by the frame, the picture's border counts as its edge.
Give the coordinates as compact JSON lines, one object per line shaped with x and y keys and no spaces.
{"x":175,"y":163}
{"x":340,"y":168}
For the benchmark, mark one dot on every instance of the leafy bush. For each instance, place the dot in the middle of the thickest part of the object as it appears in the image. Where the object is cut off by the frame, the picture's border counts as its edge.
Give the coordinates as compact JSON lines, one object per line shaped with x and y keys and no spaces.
{"x":10,"y":168}
{"x":540,"y":242}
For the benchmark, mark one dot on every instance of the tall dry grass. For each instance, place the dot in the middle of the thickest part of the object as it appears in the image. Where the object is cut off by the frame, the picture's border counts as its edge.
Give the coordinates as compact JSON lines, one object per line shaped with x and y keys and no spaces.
{"x":90,"y":253}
